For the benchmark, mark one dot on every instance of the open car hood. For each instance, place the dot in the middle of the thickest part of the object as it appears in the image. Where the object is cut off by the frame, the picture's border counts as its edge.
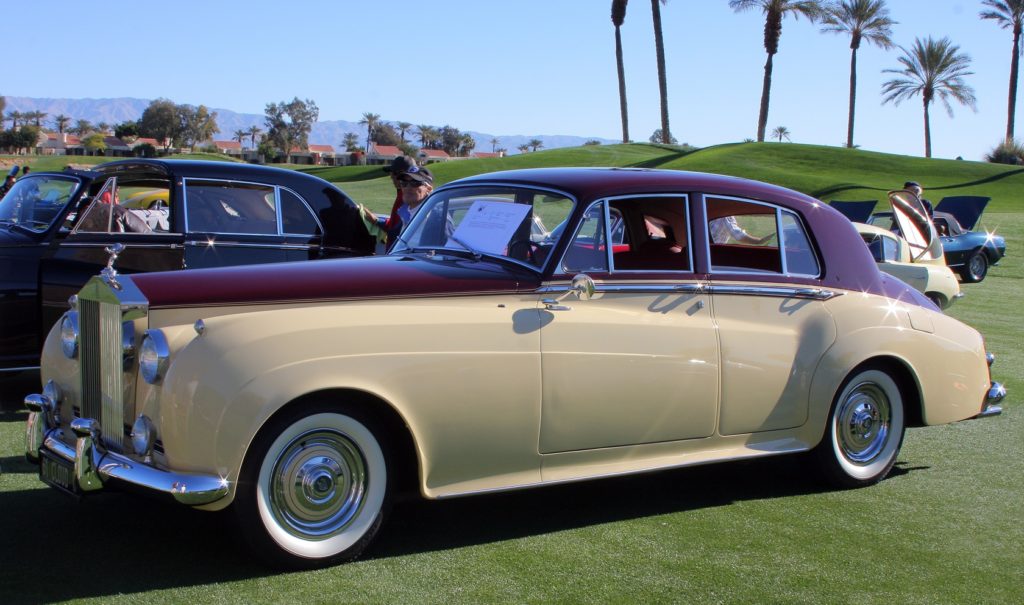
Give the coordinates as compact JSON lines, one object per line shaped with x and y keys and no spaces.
{"x":915,"y":226}
{"x":857,"y":212}
{"x":966,"y":208}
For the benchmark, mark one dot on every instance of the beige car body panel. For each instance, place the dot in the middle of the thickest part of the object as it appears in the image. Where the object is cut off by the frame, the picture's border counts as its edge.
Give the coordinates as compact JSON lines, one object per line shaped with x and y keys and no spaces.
{"x":472,"y":389}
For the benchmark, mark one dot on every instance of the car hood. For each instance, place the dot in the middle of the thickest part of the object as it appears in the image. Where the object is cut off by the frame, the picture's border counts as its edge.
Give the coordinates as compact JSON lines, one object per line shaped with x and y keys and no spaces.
{"x":342,"y":279}
{"x":966,"y":208}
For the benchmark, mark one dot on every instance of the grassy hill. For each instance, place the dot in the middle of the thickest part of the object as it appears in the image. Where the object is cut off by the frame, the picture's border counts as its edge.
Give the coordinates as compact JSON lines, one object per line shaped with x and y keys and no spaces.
{"x":827,"y":173}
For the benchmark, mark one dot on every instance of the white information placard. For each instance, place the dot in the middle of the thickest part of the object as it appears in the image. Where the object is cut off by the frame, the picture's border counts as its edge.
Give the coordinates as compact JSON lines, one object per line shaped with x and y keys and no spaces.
{"x":488,"y":226}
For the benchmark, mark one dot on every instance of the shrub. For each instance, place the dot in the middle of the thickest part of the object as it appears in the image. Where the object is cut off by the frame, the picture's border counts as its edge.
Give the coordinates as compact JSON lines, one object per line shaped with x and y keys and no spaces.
{"x":1007,"y":152}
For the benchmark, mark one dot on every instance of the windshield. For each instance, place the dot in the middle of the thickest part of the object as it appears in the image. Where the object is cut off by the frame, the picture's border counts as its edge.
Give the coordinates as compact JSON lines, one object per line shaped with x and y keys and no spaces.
{"x":35,"y":201}
{"x":521,"y":225}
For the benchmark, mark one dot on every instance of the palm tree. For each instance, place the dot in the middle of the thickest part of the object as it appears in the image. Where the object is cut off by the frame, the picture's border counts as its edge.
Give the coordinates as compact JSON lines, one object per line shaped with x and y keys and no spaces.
{"x":774,"y":11}
{"x":82,"y":127}
{"x":863,"y":20}
{"x":254,"y":131}
{"x":932,"y":68}
{"x":371,"y":121}
{"x":61,"y":122}
{"x":535,"y":144}
{"x":1009,"y":14}
{"x":36,"y":116}
{"x":618,"y":16}
{"x":403,"y":127}
{"x":523,"y":148}
{"x":781,"y":132}
{"x":103,"y":128}
{"x":494,"y":145}
{"x":15,"y":117}
{"x":240,"y":135}
{"x":351,"y":141}
{"x":428,"y":135}
{"x":659,"y":45}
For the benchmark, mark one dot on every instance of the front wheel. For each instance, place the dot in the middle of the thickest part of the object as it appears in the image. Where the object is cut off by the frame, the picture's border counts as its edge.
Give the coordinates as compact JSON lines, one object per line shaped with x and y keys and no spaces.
{"x":314,"y":488}
{"x":864,"y":432}
{"x":976,"y":268}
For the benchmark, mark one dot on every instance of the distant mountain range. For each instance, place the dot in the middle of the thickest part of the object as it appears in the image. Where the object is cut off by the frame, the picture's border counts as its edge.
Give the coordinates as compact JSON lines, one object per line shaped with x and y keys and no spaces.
{"x":332,"y":132}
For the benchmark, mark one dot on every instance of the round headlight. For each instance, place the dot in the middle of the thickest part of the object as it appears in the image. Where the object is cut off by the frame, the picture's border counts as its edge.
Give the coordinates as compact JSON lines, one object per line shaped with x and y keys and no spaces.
{"x":153,"y":356}
{"x":69,"y":334}
{"x":143,"y":433}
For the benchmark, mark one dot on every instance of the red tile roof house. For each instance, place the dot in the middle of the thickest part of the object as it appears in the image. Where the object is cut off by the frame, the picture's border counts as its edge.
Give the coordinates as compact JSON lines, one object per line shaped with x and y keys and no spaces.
{"x":428,"y":156}
{"x":382,"y":154}
{"x":61,"y":144}
{"x":322,"y":154}
{"x":487,"y":154}
{"x":232,"y":148}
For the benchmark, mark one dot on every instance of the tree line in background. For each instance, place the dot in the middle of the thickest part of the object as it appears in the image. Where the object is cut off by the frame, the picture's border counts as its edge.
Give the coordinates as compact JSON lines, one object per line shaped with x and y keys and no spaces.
{"x":934,"y":70}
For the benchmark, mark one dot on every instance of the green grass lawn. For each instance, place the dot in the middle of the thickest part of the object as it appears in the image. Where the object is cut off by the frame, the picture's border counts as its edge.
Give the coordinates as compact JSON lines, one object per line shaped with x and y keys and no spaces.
{"x":946,"y":527}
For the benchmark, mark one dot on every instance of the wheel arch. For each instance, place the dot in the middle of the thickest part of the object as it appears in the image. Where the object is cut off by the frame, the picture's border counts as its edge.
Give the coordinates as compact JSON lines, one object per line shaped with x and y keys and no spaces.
{"x":400,"y":440}
{"x":896,"y":366}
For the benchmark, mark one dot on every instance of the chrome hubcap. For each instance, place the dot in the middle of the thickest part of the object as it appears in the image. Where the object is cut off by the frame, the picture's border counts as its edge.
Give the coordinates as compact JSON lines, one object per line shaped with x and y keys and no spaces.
{"x":862,"y":423}
{"x":977,"y":265}
{"x":318,"y":484}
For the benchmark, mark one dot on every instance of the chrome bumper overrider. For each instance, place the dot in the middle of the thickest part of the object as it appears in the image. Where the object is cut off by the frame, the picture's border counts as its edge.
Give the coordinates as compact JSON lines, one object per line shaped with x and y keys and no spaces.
{"x":94,"y":467}
{"x":991,"y":406}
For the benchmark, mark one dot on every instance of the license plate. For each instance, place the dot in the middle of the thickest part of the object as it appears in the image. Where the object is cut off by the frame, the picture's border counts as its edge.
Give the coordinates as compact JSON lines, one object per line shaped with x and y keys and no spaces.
{"x":58,"y":472}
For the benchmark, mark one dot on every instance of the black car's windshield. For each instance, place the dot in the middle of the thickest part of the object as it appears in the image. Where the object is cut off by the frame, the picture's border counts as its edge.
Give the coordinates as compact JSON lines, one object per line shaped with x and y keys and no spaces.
{"x":36,"y":200}
{"x":507,"y":222}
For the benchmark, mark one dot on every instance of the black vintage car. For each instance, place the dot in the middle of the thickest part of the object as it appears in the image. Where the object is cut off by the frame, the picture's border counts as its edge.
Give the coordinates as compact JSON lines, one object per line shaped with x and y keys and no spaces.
{"x":56,"y":229}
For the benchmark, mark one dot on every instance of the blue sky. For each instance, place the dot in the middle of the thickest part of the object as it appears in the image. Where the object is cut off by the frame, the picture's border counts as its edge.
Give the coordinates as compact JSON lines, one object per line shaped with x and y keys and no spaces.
{"x":527,"y":67}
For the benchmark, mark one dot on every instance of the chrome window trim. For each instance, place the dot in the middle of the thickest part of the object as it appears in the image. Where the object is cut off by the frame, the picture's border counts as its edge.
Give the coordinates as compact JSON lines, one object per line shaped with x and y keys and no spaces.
{"x":697,"y":288}
{"x":782,"y":255}
{"x":108,"y":185}
{"x":274,"y":244}
{"x":305,"y":204}
{"x":133,"y":246}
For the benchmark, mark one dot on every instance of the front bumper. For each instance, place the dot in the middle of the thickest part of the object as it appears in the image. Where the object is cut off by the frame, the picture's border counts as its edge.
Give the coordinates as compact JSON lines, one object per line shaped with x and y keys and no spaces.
{"x":95,"y":468}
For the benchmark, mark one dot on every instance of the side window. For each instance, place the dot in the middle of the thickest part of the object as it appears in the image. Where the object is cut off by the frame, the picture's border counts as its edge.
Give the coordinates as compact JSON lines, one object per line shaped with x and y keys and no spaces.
{"x":227,"y":207}
{"x":800,"y":257}
{"x":588,"y":251}
{"x":296,"y":216}
{"x":654,"y":234}
{"x":743,"y":236}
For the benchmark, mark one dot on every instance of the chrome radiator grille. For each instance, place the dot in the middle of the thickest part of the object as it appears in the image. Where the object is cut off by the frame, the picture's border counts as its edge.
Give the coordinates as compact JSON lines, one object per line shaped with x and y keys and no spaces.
{"x":103,"y":378}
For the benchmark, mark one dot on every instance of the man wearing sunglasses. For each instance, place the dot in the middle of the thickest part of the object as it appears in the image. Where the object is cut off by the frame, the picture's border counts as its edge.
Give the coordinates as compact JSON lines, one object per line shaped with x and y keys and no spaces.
{"x":412,"y":185}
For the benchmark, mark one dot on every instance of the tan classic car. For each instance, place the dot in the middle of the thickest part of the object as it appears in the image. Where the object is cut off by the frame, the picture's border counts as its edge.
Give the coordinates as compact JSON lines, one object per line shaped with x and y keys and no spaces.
{"x":530,"y":328}
{"x":912,"y":250}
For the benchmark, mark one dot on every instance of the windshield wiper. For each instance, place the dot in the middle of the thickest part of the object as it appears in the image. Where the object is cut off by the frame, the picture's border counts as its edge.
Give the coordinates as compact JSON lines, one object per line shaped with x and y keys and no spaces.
{"x":476,"y":255}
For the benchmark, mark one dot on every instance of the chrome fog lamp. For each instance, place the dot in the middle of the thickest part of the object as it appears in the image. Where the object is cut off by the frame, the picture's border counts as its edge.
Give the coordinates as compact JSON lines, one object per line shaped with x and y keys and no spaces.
{"x":153,"y":356}
{"x":143,"y":436}
{"x":69,"y":334}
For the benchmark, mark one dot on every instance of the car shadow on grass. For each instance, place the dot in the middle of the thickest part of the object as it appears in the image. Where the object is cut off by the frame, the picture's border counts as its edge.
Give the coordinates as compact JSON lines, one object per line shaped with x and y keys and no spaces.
{"x":115,"y":544}
{"x":421,"y":526}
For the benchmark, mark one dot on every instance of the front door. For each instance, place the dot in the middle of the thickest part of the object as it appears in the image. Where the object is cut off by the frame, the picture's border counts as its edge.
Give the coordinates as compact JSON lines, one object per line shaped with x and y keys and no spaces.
{"x":636,"y":362}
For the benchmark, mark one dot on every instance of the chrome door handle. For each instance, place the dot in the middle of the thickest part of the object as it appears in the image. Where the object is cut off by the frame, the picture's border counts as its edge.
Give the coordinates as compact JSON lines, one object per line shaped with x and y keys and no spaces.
{"x":552,"y":305}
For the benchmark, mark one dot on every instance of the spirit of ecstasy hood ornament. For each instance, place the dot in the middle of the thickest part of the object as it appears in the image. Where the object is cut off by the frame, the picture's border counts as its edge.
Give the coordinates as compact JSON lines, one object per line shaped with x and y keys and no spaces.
{"x":109,"y":273}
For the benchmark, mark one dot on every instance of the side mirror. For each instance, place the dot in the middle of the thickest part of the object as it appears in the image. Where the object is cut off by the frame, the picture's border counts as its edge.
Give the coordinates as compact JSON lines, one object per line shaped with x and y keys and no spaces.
{"x":582,"y":286}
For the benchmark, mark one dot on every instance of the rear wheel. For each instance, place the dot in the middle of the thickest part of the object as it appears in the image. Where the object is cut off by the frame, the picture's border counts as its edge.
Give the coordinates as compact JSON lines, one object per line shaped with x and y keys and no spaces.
{"x":976,"y":268}
{"x":314,"y":487}
{"x":864,"y":432}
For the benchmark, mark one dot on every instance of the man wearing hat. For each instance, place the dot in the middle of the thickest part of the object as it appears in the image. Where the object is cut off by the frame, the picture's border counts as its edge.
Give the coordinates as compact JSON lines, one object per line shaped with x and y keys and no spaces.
{"x":412,"y":184}
{"x":918,"y":190}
